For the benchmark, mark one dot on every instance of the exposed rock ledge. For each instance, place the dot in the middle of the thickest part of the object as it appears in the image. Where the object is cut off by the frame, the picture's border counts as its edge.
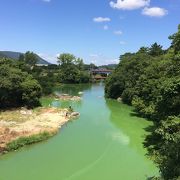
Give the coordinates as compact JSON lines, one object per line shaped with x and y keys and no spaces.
{"x":24,"y":123}
{"x":67,"y":97}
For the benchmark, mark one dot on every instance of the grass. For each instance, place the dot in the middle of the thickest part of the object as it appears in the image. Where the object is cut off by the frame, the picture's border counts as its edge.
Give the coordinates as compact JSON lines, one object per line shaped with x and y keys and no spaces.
{"x":19,"y":117}
{"x":23,"y":141}
{"x":14,"y":115}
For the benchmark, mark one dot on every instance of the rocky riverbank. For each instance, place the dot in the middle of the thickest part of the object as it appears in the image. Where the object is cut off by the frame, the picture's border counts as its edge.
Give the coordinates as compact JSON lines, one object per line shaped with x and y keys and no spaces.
{"x":42,"y":122}
{"x":67,"y":97}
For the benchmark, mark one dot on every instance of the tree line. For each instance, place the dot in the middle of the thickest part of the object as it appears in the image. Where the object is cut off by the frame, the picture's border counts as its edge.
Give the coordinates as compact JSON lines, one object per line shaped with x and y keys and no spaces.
{"x":150,"y":81}
{"x":22,"y":82}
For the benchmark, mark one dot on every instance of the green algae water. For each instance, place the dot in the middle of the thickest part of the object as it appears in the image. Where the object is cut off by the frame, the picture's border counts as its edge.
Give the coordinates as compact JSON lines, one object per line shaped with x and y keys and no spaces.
{"x":104,"y":143}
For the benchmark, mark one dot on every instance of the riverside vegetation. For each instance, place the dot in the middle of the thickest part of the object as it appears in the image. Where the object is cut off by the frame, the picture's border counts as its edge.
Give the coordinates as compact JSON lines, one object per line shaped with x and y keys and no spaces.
{"x":150,"y":81}
{"x":22,"y":83}
{"x":22,"y":141}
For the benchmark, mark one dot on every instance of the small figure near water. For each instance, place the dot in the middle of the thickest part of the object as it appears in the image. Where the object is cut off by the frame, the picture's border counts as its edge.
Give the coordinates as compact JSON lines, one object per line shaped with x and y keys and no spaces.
{"x":70,"y":109}
{"x":72,"y":113}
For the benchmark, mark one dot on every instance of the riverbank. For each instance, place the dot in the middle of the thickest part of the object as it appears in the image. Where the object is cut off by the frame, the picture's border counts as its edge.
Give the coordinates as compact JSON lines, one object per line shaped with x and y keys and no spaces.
{"x":20,"y":127}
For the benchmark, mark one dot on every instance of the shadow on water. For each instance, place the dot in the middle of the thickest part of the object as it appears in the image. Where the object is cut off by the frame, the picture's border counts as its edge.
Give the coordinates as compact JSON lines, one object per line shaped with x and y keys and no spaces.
{"x":150,"y":128}
{"x":135,"y":114}
{"x":134,"y":127}
{"x":149,"y":138}
{"x":72,"y":89}
{"x":129,"y":114}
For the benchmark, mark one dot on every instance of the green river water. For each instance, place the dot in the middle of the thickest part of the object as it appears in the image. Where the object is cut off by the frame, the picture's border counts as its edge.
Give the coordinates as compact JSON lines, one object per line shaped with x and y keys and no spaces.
{"x":104,"y":143}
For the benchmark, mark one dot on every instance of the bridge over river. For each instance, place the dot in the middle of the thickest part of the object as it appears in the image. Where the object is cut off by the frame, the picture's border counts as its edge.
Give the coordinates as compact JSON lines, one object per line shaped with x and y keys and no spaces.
{"x":100,"y":74}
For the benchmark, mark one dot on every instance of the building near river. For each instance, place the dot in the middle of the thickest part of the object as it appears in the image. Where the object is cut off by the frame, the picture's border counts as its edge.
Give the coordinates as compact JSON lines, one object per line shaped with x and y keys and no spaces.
{"x":101,"y":71}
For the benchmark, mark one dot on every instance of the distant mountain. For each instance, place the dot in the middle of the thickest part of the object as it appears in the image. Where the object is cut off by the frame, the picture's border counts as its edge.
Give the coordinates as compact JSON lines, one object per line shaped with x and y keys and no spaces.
{"x":15,"y":55}
{"x":2,"y":55}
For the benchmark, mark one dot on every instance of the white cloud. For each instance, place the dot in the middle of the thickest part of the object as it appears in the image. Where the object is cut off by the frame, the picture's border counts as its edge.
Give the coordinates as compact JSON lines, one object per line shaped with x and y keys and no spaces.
{"x":154,"y":12}
{"x":129,"y":4}
{"x":101,"y":19}
{"x":118,"y":32}
{"x":106,"y":27}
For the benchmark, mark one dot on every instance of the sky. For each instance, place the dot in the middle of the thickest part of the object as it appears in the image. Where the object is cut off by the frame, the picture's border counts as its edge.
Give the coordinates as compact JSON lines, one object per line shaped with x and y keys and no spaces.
{"x":99,"y":31}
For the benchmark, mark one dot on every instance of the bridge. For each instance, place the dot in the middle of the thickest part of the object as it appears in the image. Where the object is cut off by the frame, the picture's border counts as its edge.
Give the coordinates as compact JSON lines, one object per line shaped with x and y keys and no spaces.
{"x":101,"y":71}
{"x":100,"y":74}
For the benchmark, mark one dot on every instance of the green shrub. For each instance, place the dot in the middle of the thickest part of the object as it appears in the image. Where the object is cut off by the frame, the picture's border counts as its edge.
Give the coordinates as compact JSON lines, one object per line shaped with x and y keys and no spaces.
{"x":22,"y":141}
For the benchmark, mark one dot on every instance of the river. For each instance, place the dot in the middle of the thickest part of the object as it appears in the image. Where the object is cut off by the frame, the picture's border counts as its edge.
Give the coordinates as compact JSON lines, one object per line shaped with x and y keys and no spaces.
{"x":104,"y":143}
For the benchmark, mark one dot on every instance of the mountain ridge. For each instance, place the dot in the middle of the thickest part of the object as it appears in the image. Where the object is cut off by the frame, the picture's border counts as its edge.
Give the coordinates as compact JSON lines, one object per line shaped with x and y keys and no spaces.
{"x":15,"y":55}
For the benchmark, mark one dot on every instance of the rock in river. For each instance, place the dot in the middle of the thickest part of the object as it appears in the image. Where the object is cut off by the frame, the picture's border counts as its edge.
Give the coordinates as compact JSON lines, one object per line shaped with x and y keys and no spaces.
{"x":75,"y":114}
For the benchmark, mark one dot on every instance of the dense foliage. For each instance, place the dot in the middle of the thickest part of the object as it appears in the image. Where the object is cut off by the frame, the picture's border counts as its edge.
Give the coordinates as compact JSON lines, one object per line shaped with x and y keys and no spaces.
{"x":17,"y":88}
{"x":72,"y":69}
{"x":150,"y":81}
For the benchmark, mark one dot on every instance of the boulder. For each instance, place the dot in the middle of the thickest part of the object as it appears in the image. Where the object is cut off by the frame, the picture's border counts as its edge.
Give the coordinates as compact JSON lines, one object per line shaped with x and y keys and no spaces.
{"x":74,"y":114}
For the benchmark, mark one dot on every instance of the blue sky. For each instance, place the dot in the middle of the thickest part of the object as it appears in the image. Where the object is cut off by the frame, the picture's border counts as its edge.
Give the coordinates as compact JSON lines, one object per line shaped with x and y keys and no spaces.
{"x":96,"y":30}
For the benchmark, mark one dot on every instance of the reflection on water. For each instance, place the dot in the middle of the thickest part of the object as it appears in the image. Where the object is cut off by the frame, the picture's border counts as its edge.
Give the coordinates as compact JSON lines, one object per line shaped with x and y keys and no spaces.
{"x":72,"y":89}
{"x":120,"y":137}
{"x":65,"y":104}
{"x":130,"y":126}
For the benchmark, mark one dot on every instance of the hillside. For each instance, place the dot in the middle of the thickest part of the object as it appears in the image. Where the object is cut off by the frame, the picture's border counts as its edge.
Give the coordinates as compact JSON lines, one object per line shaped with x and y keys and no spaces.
{"x":108,"y":66}
{"x":15,"y":55}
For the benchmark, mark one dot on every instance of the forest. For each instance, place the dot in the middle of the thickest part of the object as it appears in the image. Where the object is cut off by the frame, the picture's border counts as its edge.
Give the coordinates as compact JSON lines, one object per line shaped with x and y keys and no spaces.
{"x":149,"y":80}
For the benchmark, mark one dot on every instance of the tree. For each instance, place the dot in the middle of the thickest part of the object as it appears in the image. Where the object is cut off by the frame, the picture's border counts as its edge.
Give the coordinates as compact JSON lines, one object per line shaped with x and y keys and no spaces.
{"x":79,"y":63}
{"x":156,"y":50}
{"x":72,"y":69}
{"x":144,"y":50}
{"x":17,"y":88}
{"x":176,"y":41}
{"x":123,"y":80}
{"x":21,"y":58}
{"x":169,"y":164}
{"x":30,"y":58}
{"x":164,"y":146}
{"x":92,"y":66}
{"x":66,"y":59}
{"x":169,"y":103}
